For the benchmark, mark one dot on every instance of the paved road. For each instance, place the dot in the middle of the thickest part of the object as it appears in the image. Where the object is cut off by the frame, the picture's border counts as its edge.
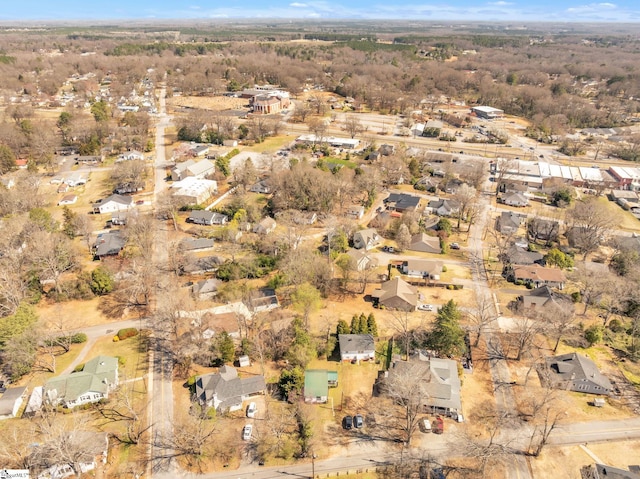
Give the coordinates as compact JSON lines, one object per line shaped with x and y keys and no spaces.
{"x":160,"y":362}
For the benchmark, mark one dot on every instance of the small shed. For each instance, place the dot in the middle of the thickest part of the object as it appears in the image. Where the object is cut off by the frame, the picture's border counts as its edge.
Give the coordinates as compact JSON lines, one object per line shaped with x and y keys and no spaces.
{"x":244,"y":361}
{"x":599,"y":402}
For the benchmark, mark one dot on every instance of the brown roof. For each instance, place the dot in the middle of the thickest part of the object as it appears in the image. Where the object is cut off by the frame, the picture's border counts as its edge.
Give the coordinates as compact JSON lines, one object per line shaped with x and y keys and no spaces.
{"x":395,"y":289}
{"x":535,"y":272}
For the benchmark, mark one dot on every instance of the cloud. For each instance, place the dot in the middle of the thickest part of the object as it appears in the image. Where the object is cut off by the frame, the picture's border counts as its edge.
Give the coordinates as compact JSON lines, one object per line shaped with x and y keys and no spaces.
{"x":592,"y":8}
{"x":500,"y":4}
{"x":298,"y":5}
{"x":195,"y":7}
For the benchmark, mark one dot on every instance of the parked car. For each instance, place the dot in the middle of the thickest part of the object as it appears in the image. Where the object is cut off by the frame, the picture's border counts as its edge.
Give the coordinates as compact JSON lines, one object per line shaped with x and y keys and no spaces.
{"x":347,"y":422}
{"x":358,"y":421}
{"x":389,"y":249}
{"x":454,"y":246}
{"x":246,"y":432}
{"x":426,"y":424}
{"x":252,"y":409}
{"x":426,"y":307}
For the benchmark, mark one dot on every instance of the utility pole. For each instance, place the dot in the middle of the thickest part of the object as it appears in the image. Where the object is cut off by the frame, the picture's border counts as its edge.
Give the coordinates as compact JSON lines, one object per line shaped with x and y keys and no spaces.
{"x":313,"y":465}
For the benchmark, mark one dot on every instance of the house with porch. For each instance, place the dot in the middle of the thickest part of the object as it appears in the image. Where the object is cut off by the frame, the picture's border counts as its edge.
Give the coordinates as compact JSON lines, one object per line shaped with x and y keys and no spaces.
{"x":225,"y":390}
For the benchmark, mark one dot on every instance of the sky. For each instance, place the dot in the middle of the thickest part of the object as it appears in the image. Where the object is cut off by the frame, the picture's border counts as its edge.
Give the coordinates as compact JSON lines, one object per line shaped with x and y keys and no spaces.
{"x":453,"y":10}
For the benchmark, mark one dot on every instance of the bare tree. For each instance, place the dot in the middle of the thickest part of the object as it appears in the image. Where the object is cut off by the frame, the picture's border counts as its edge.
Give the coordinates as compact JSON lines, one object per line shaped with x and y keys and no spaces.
{"x":482,"y":315}
{"x":465,"y":196}
{"x":353,"y":126}
{"x":52,"y":255}
{"x":405,"y":386}
{"x":126,"y":412}
{"x":524,"y":335}
{"x":589,"y":224}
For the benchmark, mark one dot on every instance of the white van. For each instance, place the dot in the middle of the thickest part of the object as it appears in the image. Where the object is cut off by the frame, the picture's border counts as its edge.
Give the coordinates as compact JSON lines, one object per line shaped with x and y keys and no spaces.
{"x":252,"y":409}
{"x":427,"y":425}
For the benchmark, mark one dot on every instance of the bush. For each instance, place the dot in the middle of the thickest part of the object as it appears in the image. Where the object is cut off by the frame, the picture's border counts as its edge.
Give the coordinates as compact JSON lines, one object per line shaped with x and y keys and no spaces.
{"x":593,"y":334}
{"x":116,"y":339}
{"x":78,"y":338}
{"x":444,"y":269}
{"x":78,"y":368}
{"x":616,"y":326}
{"x":450,"y":287}
{"x":127,"y":333}
{"x":529,"y":285}
{"x":576,"y":297}
{"x":518,"y":282}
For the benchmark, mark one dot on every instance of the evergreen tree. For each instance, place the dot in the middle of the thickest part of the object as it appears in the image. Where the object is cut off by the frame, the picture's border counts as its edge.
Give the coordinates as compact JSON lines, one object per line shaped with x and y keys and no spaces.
{"x":101,"y":281}
{"x":343,"y":327}
{"x":362,"y":324}
{"x":354,"y":324}
{"x":372,"y":326}
{"x":68,"y":226}
{"x":224,"y":347}
{"x":447,"y":337}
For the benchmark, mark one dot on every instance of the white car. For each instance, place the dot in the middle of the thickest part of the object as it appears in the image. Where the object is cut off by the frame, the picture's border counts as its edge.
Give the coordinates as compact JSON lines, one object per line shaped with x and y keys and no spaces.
{"x":252,"y":409}
{"x":425,"y":307}
{"x":246,"y":432}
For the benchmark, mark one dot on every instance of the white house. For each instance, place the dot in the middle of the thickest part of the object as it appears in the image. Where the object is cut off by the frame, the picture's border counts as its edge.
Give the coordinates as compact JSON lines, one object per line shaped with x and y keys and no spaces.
{"x":191,"y":168}
{"x":68,"y":200}
{"x":194,"y":191}
{"x":367,"y":239}
{"x":422,"y":268}
{"x":515,"y":199}
{"x":98,"y":377}
{"x":113,"y":203}
{"x":225,"y":390}
{"x":357,"y":347}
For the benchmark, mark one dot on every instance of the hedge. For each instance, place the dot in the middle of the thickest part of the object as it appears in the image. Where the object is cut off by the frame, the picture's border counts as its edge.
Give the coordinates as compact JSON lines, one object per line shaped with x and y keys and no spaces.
{"x":127,"y":333}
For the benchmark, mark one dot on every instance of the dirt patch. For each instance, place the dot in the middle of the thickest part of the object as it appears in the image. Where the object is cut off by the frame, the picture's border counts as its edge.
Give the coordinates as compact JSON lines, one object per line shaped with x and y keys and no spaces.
{"x":214,"y":103}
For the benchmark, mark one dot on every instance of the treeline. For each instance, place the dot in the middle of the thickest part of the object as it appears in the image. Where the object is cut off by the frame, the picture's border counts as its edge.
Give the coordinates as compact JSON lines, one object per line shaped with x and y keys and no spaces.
{"x":179,"y":49}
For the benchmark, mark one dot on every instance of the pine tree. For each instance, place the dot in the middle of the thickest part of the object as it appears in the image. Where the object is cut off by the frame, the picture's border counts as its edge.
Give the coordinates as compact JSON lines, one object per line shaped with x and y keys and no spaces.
{"x":372,"y":326}
{"x":343,"y":327}
{"x":354,"y":324}
{"x":362,"y":324}
{"x":447,"y":337}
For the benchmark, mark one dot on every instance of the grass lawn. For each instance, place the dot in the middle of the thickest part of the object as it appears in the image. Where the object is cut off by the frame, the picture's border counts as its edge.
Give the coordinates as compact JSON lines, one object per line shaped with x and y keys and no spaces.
{"x":271,"y":144}
{"x":131,"y":351}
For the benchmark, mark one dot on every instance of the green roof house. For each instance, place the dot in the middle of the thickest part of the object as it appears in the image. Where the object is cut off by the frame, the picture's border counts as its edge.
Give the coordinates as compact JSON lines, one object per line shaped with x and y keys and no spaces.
{"x":98,"y":377}
{"x":317,"y":383}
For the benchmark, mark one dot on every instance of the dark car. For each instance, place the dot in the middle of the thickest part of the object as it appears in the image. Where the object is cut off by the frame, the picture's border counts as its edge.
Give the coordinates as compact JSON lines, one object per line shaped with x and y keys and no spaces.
{"x":347,"y":422}
{"x":358,"y":421}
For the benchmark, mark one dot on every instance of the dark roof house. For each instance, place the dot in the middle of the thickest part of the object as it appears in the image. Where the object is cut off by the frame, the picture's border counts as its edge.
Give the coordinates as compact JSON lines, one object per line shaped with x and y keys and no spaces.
{"x":401,"y":202}
{"x":575,"y":372}
{"x":109,"y":244}
{"x":225,"y":390}
{"x":357,"y":347}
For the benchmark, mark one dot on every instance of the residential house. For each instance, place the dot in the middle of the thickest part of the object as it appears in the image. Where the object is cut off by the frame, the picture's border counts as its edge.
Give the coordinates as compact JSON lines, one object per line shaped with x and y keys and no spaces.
{"x":204,"y":217}
{"x":89,"y":159}
{"x":437,"y":378}
{"x":518,"y":255}
{"x":68,"y":200}
{"x":401,"y":202}
{"x":425,"y":243}
{"x":129,"y":187}
{"x":109,"y":244}
{"x":539,"y":275}
{"x":195,"y":169}
{"x":262,"y":186}
{"x":317,"y":383}
{"x":206,"y":288}
{"x":422,"y":268}
{"x":443,"y":207}
{"x":362,"y":260}
{"x":515,"y":199}
{"x":194,"y":191}
{"x":119,"y":219}
{"x":199,"y":150}
{"x":584,"y":236}
{"x":428,"y":183}
{"x":265,"y":226}
{"x":366,"y":239}
{"x":225,"y":390}
{"x":11,"y":401}
{"x":302,"y":218}
{"x":603,"y":471}
{"x":396,"y":294}
{"x":355,"y":212}
{"x":89,"y":448}
{"x":542,"y":297}
{"x":132,"y":155}
{"x":387,"y":150}
{"x":576,"y":372}
{"x":509,"y":222}
{"x":98,"y":377}
{"x":544,"y":230}
{"x":76,"y":179}
{"x":357,"y":347}
{"x":206,"y":264}
{"x":264,"y":299}
{"x":113,"y":203}
{"x":196,"y":244}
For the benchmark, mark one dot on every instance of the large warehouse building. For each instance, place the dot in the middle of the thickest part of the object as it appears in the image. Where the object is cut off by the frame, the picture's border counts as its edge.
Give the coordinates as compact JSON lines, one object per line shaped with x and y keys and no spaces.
{"x":487,"y":112}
